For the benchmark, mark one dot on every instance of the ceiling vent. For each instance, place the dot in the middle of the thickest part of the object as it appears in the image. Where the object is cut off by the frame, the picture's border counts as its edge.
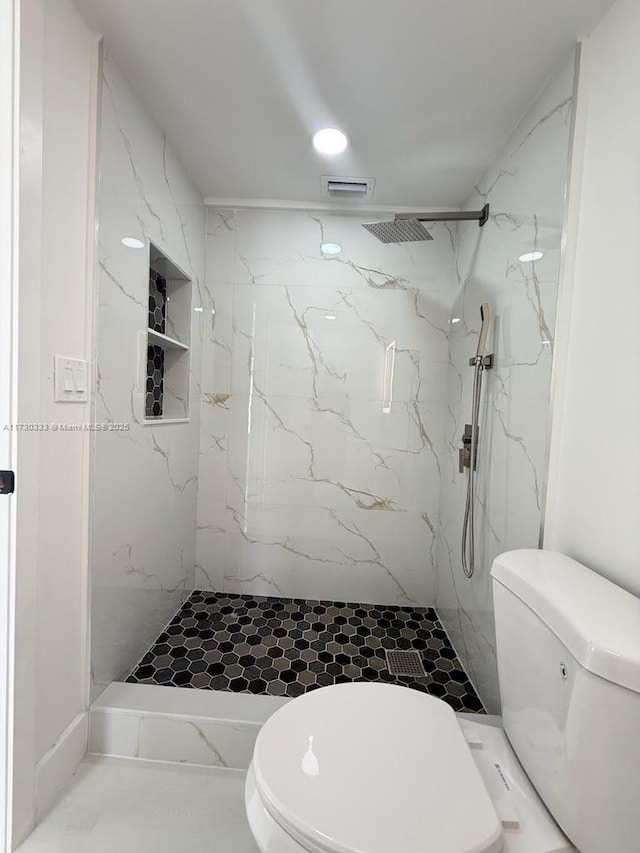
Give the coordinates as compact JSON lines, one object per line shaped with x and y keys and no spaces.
{"x":349,"y":188}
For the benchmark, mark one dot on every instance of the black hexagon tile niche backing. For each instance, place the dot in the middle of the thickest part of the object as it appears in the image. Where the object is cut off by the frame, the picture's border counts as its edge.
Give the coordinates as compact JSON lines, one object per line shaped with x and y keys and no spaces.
{"x":285,"y":647}
{"x":155,"y":354}
{"x":157,"y":302}
{"x":155,"y":381}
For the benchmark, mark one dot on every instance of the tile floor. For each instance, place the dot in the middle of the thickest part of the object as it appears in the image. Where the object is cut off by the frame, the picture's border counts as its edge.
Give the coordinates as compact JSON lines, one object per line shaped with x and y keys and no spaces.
{"x":134,"y":806}
{"x":285,"y":647}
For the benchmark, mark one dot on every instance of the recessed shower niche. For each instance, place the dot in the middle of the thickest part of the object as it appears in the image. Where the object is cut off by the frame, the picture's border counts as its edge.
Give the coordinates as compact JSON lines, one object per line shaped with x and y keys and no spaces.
{"x":168,"y":340}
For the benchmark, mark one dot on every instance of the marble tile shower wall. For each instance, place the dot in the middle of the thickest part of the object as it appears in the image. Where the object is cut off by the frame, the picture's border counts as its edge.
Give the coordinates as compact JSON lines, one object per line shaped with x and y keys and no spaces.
{"x":307,"y":486}
{"x":526,"y":190}
{"x":144,"y":478}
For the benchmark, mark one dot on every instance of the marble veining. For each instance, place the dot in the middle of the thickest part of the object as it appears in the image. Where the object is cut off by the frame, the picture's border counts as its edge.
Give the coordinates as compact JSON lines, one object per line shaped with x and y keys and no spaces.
{"x":310,"y":485}
{"x":144,"y":479}
{"x":327,"y":395}
{"x":525,"y":188}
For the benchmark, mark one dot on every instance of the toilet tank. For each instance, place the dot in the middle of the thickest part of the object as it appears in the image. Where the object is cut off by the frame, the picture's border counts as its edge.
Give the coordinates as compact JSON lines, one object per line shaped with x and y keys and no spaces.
{"x":568,"y":650}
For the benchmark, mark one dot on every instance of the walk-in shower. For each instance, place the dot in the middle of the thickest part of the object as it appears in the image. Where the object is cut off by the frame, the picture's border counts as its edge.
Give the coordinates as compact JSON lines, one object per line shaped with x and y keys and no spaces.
{"x":468,"y":457}
{"x":306,"y":518}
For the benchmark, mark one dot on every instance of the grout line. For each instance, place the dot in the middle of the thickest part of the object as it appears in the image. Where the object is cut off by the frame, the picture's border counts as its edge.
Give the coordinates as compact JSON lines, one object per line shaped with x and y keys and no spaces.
{"x":352,"y":653}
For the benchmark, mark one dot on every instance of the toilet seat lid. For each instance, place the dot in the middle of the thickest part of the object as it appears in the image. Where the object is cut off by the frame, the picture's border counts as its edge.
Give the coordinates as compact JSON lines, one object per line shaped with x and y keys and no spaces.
{"x":387,"y":769}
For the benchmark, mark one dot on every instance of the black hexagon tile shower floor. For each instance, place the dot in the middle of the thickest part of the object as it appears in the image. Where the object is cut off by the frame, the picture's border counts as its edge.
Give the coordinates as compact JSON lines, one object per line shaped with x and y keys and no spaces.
{"x":285,"y":647}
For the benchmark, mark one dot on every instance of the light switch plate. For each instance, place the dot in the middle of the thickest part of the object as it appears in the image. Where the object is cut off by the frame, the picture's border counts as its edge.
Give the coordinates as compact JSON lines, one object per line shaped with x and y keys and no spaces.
{"x":70,"y":380}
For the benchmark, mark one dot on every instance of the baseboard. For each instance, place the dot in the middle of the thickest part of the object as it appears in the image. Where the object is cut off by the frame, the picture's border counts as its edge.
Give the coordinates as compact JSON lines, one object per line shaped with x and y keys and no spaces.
{"x":56,"y":768}
{"x":206,"y":727}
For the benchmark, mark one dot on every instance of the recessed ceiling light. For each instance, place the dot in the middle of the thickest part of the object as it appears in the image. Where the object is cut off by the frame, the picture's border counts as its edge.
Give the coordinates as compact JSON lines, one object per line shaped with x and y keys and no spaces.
{"x":455,"y":319}
{"x":132,"y":243}
{"x":330,"y":317}
{"x":530,"y":256}
{"x":330,"y":141}
{"x":330,"y":248}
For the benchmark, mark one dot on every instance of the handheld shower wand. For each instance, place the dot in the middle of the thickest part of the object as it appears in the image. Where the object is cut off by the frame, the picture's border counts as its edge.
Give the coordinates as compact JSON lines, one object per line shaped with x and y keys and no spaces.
{"x":485,"y":317}
{"x":469,"y":451}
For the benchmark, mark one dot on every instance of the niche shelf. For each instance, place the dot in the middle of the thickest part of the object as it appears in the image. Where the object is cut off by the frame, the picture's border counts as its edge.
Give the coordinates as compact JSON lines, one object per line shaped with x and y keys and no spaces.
{"x":166,"y":396}
{"x":158,"y":339}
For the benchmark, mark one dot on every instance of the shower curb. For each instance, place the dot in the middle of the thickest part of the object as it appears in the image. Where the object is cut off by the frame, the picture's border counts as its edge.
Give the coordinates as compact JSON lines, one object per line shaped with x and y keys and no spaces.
{"x":205,"y":727}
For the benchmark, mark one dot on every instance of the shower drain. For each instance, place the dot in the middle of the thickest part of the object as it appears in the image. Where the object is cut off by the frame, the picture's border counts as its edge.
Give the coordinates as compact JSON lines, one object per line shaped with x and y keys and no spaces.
{"x":405,"y":663}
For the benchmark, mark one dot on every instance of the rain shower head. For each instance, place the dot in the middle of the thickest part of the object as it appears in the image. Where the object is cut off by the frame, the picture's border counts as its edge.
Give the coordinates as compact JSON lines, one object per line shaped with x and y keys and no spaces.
{"x":398,"y":230}
{"x":408,"y":227}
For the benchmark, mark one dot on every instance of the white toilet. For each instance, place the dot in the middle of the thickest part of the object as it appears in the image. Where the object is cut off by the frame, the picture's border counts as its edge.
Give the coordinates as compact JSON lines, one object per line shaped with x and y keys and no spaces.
{"x":374,"y":768}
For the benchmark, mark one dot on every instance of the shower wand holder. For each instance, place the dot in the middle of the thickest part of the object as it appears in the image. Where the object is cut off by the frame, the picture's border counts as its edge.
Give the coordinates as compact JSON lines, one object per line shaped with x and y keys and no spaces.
{"x":485,"y":360}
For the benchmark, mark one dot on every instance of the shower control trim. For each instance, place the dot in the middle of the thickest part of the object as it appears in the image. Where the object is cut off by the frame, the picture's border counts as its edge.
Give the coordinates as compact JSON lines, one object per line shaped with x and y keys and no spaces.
{"x":464,"y":453}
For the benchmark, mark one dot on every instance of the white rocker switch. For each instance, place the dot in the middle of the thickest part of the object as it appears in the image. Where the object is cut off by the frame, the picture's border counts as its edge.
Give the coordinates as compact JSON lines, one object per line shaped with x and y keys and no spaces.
{"x":80,"y":377}
{"x":68,"y":380}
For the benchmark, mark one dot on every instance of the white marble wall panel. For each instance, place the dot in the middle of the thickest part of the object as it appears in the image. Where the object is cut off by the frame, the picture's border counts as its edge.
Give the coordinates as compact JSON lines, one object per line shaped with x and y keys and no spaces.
{"x":307,"y":487}
{"x":526,"y":190}
{"x":209,"y":727}
{"x":214,"y":743}
{"x":145,"y":478}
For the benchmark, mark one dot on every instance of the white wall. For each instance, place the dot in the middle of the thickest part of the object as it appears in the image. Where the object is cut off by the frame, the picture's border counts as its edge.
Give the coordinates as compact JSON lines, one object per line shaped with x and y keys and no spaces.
{"x":307,"y":487}
{"x":9,"y":155}
{"x":593,"y":508}
{"x":58,"y":111}
{"x":144,"y":479}
{"x":526,"y":190}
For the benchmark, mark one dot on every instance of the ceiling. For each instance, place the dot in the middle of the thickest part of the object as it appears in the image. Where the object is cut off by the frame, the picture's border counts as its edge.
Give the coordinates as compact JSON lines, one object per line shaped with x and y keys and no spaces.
{"x":427,"y":90}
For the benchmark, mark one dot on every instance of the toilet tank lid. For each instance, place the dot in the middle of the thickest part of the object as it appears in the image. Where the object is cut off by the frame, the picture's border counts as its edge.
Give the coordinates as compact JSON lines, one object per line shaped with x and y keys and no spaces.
{"x":596,"y":620}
